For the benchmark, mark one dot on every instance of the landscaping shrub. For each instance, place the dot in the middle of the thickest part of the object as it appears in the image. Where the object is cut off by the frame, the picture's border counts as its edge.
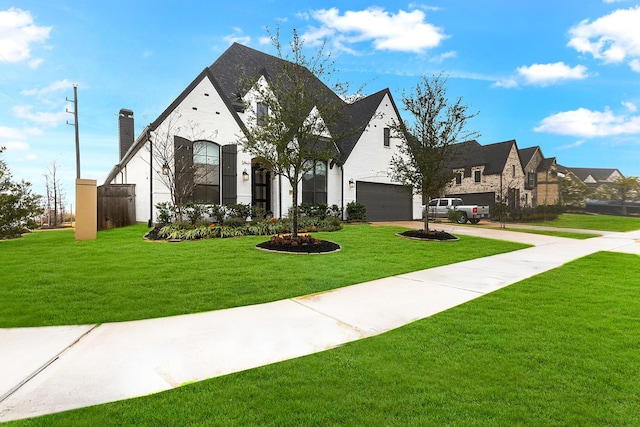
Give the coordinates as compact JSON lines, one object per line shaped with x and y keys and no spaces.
{"x":166,"y":213}
{"x":239,"y":210}
{"x":334,"y":211}
{"x":235,"y":227}
{"x":258,"y":214}
{"x":503,"y":213}
{"x":217,"y":213}
{"x":356,"y":212}
{"x":454,"y":215}
{"x":234,"y":222}
{"x":195,"y":212}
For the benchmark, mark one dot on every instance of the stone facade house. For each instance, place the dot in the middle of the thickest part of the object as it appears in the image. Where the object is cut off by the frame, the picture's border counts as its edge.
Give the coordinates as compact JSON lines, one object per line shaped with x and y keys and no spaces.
{"x":486,"y":174}
{"x":541,"y":176}
{"x":203,"y":128}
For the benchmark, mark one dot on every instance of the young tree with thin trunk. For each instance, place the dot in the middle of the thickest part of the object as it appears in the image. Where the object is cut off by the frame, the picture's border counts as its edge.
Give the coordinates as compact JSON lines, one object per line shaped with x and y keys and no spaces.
{"x":294,"y":115}
{"x":172,"y":160}
{"x":54,"y":195}
{"x":428,"y":142}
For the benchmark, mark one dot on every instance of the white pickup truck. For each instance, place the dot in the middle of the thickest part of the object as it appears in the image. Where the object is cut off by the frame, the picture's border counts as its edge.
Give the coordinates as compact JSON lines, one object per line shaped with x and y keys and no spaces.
{"x":439,"y":208}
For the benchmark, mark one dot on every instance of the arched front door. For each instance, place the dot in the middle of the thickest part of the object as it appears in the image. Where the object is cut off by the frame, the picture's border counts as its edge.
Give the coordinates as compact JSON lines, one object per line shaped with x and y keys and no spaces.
{"x":260,"y":187}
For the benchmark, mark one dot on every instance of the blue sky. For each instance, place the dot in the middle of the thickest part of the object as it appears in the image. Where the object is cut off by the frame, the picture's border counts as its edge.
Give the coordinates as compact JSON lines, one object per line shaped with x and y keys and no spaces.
{"x":564,"y":75}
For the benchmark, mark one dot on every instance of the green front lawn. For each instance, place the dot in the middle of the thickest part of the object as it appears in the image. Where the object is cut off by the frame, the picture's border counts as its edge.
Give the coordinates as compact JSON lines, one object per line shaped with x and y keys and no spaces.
{"x":559,"y":349}
{"x":50,"y":279}
{"x":593,"y":222}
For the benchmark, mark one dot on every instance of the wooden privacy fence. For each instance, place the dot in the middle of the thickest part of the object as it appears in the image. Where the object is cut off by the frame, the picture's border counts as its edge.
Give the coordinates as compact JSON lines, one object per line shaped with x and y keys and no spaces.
{"x":116,"y":205}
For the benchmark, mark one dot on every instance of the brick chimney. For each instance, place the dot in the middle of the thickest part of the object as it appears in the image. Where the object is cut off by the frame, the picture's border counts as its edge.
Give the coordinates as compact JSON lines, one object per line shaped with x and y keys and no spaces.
{"x":125,"y":131}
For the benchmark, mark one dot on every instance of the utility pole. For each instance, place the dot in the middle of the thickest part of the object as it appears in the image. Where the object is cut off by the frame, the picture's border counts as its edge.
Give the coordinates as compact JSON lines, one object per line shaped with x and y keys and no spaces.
{"x":75,"y":124}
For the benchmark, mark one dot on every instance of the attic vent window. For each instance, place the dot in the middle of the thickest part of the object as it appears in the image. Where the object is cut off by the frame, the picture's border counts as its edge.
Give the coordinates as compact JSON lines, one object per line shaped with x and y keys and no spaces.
{"x":262,"y":113}
{"x":387,"y":137}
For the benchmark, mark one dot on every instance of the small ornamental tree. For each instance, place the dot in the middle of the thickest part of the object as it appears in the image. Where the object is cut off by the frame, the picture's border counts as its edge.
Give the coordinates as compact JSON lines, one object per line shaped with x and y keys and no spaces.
{"x":293,"y":116}
{"x":19,"y":206}
{"x":428,"y":142}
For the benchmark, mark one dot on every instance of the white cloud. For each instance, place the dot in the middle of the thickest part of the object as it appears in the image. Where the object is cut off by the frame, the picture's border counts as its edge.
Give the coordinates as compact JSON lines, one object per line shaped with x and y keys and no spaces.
{"x":35,"y":63}
{"x":506,"y":82}
{"x":573,"y":145}
{"x":58,"y":86}
{"x":546,"y":74}
{"x":237,"y":36}
{"x":441,"y":58}
{"x":543,"y":75}
{"x":10,"y":133}
{"x":16,"y":146}
{"x":46,"y":119}
{"x":585,"y":123}
{"x":17,"y":33}
{"x":400,"y":32}
{"x":612,"y":38}
{"x":630,"y":106}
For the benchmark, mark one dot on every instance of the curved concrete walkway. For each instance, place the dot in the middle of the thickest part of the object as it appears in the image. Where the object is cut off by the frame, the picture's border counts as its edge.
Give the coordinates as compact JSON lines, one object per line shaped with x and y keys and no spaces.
{"x":52,"y":369}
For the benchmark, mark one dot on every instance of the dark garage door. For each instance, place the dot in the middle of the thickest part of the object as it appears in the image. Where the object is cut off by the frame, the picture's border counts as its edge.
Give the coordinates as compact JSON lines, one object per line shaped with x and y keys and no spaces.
{"x":385,"y":202}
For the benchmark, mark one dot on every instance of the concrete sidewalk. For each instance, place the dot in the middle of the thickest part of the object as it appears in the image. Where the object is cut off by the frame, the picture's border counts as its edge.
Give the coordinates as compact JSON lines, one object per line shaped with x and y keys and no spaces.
{"x":53,"y":369}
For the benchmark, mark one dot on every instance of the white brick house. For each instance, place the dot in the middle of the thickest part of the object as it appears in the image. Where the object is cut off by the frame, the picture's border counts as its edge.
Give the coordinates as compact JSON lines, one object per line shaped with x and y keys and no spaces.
{"x":211,"y":115}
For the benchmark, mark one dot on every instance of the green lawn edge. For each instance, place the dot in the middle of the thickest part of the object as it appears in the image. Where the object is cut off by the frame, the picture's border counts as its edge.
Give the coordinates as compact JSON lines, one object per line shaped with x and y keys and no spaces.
{"x":51,"y":279}
{"x":556,"y":349}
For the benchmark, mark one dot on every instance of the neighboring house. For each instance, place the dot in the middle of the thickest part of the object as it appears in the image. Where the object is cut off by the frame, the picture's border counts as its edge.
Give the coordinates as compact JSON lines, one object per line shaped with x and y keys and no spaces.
{"x":593,"y":177}
{"x":541,"y":176}
{"x":486,"y":174}
{"x":203,"y":127}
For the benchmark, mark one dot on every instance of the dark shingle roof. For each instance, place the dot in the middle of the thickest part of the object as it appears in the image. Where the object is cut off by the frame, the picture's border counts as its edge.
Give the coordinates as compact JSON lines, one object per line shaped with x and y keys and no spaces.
{"x":240,"y":62}
{"x":526,"y":154}
{"x":546,"y":164}
{"x":493,"y":156}
{"x":354,"y":120}
{"x":599,"y":174}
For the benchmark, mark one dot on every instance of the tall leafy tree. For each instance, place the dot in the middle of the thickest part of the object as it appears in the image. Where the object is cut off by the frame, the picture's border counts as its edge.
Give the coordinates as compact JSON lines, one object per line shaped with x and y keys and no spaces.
{"x":19,"y":206}
{"x":428,"y":138}
{"x":627,"y":188}
{"x":296,"y":119}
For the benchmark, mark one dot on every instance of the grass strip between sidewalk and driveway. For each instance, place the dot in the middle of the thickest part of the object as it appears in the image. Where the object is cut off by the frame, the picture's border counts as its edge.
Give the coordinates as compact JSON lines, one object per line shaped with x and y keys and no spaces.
{"x":593,"y":222}
{"x":557,"y":349}
{"x":48,"y":278}
{"x":554,"y":233}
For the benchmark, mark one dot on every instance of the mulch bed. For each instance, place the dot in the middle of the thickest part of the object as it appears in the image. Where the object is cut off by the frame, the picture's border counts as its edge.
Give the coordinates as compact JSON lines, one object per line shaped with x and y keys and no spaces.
{"x":303,"y":244}
{"x":153,"y":234}
{"x":438,"y":235}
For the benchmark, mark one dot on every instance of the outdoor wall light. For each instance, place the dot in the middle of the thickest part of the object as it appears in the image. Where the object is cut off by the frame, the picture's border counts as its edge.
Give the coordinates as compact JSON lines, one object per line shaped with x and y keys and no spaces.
{"x":165,"y":169}
{"x":352,"y":183}
{"x":245,"y":175}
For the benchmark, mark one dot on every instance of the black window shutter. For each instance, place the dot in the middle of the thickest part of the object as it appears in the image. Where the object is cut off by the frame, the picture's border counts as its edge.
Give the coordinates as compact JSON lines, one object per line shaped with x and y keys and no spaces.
{"x":183,"y":169}
{"x":229,"y":174}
